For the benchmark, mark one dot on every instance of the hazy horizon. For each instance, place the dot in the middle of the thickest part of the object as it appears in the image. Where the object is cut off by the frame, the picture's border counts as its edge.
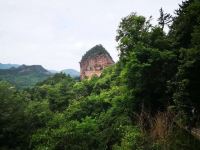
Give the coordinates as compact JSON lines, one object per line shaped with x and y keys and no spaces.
{"x":55,"y":34}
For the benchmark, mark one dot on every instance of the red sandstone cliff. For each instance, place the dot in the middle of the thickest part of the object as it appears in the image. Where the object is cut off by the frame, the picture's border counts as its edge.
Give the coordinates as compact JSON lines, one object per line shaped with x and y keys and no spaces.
{"x":94,"y":61}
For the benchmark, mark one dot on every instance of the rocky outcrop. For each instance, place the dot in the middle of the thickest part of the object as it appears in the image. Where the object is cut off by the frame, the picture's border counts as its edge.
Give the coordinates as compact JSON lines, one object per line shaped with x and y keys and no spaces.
{"x":94,"y":61}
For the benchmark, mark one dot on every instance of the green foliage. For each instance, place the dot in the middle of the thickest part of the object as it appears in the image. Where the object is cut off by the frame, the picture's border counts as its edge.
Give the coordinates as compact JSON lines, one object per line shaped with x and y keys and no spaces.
{"x":108,"y":112}
{"x":95,"y":51}
{"x":132,"y":30}
{"x":185,"y":24}
{"x":136,"y":30}
{"x":148,"y":74}
{"x":132,"y":140}
{"x":24,"y":76}
{"x":186,"y":84}
{"x":164,"y":19}
{"x":12,"y":123}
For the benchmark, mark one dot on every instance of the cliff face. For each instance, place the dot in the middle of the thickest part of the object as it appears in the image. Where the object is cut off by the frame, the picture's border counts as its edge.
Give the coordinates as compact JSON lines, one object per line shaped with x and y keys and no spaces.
{"x":94,"y":61}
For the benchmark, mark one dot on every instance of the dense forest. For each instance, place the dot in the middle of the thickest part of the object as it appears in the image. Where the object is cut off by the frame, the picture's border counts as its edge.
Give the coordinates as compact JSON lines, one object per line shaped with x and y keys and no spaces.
{"x":148,"y":100}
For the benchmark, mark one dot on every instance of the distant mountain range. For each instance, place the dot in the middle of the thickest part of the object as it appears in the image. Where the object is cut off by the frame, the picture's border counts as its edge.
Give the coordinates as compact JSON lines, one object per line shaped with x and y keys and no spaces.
{"x":23,"y":76}
{"x":8,"y":66}
{"x":73,"y":73}
{"x":53,"y":71}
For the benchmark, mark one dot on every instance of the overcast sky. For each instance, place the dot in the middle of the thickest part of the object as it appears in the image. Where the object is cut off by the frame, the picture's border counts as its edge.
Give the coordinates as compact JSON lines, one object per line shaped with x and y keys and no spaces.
{"x":56,"y":33}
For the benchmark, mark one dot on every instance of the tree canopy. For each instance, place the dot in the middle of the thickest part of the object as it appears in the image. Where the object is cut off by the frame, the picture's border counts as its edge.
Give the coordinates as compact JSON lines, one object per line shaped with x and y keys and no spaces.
{"x":143,"y":102}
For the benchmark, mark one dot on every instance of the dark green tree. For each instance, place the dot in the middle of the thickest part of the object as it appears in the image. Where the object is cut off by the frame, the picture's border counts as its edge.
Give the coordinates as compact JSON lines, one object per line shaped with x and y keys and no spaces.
{"x":185,"y":24}
{"x":164,"y":19}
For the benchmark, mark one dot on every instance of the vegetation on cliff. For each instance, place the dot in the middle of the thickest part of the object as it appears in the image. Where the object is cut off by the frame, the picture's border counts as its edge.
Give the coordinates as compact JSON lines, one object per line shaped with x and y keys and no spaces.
{"x":95,"y":51}
{"x":140,"y":103}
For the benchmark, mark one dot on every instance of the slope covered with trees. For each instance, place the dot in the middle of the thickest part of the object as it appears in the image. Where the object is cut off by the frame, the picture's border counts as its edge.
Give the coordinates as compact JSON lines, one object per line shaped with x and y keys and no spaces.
{"x":24,"y":76}
{"x":143,"y":102}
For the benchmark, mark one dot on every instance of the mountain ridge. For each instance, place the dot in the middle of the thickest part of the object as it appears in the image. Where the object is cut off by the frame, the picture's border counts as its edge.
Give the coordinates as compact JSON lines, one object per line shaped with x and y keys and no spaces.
{"x":8,"y":66}
{"x":71,"y":72}
{"x":25,"y":76}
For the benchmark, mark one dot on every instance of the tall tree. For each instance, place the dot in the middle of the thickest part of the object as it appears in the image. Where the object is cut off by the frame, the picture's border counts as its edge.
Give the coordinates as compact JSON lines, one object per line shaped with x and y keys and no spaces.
{"x":164,"y":19}
{"x":185,"y":24}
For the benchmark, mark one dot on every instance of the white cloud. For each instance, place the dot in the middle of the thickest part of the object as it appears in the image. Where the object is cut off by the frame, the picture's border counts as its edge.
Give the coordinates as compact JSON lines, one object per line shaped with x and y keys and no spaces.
{"x":56,"y":33}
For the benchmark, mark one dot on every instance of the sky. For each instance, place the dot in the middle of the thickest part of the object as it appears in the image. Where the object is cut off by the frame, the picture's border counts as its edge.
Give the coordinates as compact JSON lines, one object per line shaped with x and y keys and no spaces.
{"x":56,"y":33}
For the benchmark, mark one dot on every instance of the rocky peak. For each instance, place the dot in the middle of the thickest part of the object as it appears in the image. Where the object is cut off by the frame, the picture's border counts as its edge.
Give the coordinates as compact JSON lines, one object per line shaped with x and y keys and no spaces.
{"x":94,"y":61}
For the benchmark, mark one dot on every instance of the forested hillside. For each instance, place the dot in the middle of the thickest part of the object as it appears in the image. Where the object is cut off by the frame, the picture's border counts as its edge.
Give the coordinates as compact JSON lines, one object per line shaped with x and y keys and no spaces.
{"x":148,"y":100}
{"x":24,"y":76}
